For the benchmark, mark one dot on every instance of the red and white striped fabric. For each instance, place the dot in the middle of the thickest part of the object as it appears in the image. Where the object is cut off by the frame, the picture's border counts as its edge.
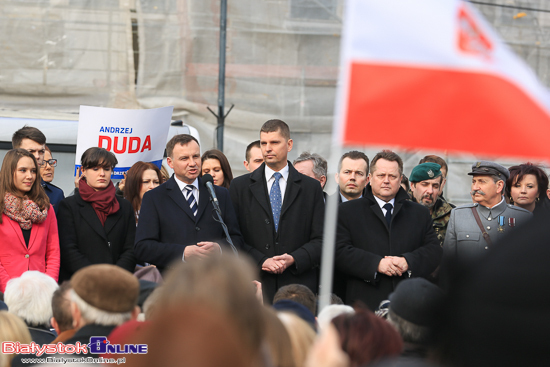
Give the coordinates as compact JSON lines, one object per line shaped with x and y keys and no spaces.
{"x":432,"y":74}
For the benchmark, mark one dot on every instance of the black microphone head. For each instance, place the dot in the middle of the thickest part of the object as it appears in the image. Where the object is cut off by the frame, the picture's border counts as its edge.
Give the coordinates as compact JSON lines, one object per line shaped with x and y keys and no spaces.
{"x":207,"y":178}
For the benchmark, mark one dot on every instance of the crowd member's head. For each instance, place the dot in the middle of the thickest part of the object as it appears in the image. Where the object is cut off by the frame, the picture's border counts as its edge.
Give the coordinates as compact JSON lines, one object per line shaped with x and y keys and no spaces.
{"x":405,"y":183}
{"x":164,"y":173}
{"x":353,"y":174}
{"x":276,"y":143}
{"x":488,"y":183}
{"x":253,"y":157}
{"x":215,"y":164}
{"x":297,"y":293}
{"x":413,"y":310}
{"x":367,"y":338}
{"x":32,"y":140}
{"x":426,"y":180}
{"x":330,"y":312}
{"x":12,"y":328}
{"x":286,"y":305}
{"x":140,"y":178}
{"x":62,"y":320}
{"x":151,"y":303}
{"x":19,"y":176}
{"x":301,"y":335}
{"x":224,"y":283}
{"x":97,"y":167}
{"x":526,"y":185}
{"x":278,"y":339}
{"x":444,"y":168}
{"x":30,"y":298}
{"x":184,"y":157}
{"x":385,"y":175}
{"x":193,"y":334}
{"x":312,"y":165}
{"x":47,"y":170}
{"x":103,"y":294}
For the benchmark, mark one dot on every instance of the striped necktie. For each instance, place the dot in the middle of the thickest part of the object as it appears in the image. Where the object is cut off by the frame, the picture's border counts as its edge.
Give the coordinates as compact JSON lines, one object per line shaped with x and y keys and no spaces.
{"x":191,"y":199}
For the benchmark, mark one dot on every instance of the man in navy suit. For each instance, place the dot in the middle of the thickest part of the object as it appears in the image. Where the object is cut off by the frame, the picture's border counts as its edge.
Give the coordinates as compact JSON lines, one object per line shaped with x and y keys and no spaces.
{"x":176,"y":219}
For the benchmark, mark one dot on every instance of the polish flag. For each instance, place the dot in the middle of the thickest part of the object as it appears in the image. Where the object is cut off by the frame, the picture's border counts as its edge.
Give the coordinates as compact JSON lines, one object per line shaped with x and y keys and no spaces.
{"x":432,"y":74}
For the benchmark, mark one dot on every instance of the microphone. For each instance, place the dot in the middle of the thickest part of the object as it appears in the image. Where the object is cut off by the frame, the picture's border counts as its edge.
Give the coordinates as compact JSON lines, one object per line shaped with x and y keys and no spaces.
{"x":208,"y":181}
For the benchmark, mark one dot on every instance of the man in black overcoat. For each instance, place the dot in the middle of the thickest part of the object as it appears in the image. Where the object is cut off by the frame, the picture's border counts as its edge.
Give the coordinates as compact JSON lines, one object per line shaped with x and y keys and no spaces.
{"x":280,"y":213}
{"x":383,"y":237}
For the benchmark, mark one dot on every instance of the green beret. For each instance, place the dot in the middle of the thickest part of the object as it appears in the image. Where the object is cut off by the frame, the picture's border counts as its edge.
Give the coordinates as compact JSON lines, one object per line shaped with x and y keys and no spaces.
{"x":425,"y":171}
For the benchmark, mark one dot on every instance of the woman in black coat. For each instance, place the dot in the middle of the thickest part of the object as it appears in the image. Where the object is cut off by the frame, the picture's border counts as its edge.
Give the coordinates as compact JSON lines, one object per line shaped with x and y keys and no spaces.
{"x":95,"y":225}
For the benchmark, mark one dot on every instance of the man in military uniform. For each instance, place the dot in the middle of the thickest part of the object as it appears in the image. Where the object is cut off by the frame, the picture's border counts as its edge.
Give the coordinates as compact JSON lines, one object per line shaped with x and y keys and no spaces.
{"x":426,"y":184}
{"x":464,"y":238}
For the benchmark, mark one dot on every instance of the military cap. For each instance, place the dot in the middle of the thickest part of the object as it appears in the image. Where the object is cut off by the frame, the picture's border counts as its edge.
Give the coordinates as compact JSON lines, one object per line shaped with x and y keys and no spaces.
{"x":490,"y":168}
{"x":425,"y":171}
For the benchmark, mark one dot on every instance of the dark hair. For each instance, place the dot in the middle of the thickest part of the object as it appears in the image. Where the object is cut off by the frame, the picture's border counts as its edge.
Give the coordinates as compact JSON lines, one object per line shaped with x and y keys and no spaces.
{"x":405,"y":181}
{"x":297,"y":293}
{"x":355,"y":155}
{"x":61,"y":307}
{"x":518,"y":172}
{"x":182,"y":139}
{"x":435,"y":159}
{"x":134,"y":181}
{"x":276,"y":125}
{"x":389,"y":156}
{"x":27,"y":132}
{"x":249,"y":148}
{"x":319,"y":163}
{"x":367,"y":338}
{"x":9,"y":166}
{"x":48,"y":149}
{"x":224,"y":163}
{"x":98,"y":157}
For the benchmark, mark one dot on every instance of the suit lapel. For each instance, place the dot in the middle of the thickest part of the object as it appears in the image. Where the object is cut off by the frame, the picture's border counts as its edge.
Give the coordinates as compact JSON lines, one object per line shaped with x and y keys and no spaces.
{"x":34,"y":232}
{"x":90,"y":216}
{"x":292,"y":188}
{"x":112,"y":220}
{"x":258,"y":187}
{"x":204,"y":199}
{"x":175,"y":194}
{"x":17,"y":229}
{"x":376,"y":209}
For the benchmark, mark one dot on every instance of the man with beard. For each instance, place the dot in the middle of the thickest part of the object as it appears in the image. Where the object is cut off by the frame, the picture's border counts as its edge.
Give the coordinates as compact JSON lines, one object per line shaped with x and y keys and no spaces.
{"x":426,"y":184}
{"x":474,"y":228}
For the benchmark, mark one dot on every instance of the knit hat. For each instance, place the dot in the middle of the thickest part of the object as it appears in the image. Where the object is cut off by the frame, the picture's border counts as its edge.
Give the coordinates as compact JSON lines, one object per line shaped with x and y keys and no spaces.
{"x":416,"y":300}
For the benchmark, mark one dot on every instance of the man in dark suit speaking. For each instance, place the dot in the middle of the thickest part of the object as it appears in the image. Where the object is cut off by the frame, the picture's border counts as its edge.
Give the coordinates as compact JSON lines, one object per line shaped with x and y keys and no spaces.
{"x":281,"y":213}
{"x":176,"y":219}
{"x":384,"y":237}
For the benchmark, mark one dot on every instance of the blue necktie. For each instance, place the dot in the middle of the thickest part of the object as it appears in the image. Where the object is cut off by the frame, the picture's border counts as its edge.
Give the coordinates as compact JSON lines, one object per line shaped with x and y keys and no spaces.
{"x":276,"y":200}
{"x":191,"y":199}
{"x":388,"y":208}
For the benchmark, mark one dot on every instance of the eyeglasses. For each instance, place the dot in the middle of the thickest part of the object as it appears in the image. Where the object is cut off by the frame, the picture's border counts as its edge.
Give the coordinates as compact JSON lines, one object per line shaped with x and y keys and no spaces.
{"x":51,"y":162}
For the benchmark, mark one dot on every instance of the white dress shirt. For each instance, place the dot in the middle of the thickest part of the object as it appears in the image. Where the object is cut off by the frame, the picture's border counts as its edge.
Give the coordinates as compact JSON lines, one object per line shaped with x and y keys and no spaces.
{"x":381,"y":203}
{"x":195,"y":190}
{"x":282,"y":181}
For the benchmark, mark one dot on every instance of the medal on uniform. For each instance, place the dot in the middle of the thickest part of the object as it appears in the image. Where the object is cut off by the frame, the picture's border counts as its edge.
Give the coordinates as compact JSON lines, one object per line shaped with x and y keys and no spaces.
{"x":501,"y":223}
{"x":512,"y":222}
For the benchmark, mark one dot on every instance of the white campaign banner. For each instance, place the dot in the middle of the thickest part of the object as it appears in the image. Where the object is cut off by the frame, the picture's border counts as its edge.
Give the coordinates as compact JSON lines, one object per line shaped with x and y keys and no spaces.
{"x":132,"y":135}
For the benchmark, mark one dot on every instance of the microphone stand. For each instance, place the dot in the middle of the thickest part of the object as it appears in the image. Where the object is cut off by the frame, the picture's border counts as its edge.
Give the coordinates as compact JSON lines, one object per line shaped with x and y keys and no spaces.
{"x":220,"y":220}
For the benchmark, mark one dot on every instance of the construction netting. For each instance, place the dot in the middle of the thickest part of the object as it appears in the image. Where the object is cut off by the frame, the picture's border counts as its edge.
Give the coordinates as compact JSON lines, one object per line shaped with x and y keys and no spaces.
{"x":282,"y":61}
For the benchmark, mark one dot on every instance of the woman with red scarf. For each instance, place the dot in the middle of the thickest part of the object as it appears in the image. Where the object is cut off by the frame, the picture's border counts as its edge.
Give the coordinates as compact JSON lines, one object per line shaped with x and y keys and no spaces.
{"x":28,"y":228}
{"x":95,"y":225}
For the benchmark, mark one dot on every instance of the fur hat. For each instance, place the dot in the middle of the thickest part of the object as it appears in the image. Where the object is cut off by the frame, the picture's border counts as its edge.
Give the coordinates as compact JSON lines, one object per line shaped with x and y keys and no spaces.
{"x":106,"y":287}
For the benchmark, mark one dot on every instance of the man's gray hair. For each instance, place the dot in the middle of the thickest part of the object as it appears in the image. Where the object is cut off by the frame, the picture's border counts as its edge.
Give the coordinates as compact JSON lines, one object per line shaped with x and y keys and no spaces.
{"x":410,"y":333}
{"x":319,"y":163}
{"x":497,"y":179}
{"x":93,"y":315}
{"x":30,"y":297}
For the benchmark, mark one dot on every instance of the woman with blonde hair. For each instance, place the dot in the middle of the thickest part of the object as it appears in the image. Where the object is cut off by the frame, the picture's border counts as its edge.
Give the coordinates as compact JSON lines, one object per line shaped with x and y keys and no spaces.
{"x":301,"y":335}
{"x":28,"y":226}
{"x":13,"y":329}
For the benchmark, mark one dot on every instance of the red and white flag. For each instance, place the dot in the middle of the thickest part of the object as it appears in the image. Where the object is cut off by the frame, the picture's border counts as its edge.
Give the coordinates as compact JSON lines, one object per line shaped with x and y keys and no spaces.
{"x":432,"y":74}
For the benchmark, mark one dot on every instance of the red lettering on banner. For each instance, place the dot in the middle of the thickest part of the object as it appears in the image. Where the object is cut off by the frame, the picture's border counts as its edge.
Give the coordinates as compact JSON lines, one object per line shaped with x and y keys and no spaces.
{"x":103,"y":138}
{"x":130,"y":146}
{"x":146,"y":143}
{"x":115,"y":146}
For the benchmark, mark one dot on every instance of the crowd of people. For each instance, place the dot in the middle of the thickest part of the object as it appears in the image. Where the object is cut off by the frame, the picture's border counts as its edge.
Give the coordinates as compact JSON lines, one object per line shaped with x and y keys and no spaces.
{"x":152,"y":260}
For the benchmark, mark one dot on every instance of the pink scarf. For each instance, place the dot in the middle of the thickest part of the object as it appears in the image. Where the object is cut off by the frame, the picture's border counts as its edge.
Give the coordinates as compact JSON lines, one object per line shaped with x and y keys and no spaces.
{"x":25,"y":214}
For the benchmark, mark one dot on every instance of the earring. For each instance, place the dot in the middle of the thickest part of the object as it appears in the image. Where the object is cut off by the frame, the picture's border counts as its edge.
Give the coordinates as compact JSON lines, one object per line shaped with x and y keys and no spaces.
{"x":538,"y":198}
{"x":511,"y":200}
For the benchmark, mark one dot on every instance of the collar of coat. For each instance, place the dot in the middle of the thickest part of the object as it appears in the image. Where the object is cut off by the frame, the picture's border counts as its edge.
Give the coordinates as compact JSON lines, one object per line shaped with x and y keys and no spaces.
{"x":401,"y":194}
{"x":259,"y":173}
